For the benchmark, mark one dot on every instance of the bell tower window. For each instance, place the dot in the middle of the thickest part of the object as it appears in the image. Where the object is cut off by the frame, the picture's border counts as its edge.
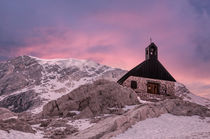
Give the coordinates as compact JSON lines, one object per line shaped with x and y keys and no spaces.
{"x":151,"y":52}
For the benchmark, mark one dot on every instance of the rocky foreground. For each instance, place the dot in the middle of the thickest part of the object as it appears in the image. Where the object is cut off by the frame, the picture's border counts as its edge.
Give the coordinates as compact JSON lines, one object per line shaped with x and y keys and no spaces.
{"x":102,"y":109}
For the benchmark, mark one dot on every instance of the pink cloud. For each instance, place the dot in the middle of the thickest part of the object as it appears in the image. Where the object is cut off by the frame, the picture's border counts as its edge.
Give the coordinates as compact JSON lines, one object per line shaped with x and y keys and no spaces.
{"x":126,"y":33}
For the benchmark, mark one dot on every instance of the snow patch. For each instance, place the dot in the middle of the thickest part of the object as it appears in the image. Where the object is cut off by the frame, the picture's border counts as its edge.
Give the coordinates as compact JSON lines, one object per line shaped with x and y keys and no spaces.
{"x":13,"y":134}
{"x":13,"y":117}
{"x":77,"y":112}
{"x":126,"y":108}
{"x":143,"y":101}
{"x":168,"y":126}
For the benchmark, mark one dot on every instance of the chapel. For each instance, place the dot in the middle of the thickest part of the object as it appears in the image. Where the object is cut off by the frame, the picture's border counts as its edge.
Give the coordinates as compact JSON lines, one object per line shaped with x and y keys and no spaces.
{"x":150,"y":76}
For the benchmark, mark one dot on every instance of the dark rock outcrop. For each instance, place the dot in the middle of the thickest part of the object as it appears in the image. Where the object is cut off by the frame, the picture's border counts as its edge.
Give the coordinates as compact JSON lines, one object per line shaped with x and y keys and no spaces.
{"x":20,"y":102}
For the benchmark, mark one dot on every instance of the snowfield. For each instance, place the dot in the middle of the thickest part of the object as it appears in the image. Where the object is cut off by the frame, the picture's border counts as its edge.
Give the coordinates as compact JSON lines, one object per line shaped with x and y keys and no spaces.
{"x":13,"y":134}
{"x":169,"y":126}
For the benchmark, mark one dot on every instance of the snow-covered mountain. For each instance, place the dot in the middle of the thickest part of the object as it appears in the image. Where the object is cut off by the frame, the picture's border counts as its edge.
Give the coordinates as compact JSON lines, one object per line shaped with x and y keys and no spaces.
{"x":27,"y":83}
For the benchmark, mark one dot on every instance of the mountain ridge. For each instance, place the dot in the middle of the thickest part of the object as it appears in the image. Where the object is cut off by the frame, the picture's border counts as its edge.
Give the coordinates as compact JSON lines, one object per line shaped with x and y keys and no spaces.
{"x":43,"y":80}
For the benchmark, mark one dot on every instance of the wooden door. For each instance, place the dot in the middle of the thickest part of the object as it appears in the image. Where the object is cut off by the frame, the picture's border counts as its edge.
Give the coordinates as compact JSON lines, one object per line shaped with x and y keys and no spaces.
{"x":153,"y":88}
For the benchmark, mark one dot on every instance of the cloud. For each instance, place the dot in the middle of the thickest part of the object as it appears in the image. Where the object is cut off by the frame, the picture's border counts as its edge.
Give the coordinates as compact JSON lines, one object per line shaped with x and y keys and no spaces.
{"x":203,"y":49}
{"x":201,"y":6}
{"x":114,"y":33}
{"x":100,"y":49}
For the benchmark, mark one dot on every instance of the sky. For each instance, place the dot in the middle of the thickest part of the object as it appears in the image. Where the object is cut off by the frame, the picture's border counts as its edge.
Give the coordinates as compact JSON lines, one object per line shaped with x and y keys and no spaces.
{"x":114,"y":33}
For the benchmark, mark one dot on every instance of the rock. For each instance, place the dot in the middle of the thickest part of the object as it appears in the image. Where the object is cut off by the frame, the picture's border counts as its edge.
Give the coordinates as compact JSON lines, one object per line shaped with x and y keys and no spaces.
{"x":117,"y":111}
{"x":92,"y":99}
{"x":5,"y":113}
{"x":20,"y":122}
{"x":185,"y":108}
{"x":69,"y":105}
{"x":57,"y":123}
{"x":115,"y":125}
{"x":57,"y":128}
{"x":85,"y":113}
{"x":20,"y":102}
{"x":60,"y":133}
{"x":15,"y":124}
{"x":67,"y":113}
{"x":18,"y":73}
{"x":51,"y":109}
{"x":45,"y":123}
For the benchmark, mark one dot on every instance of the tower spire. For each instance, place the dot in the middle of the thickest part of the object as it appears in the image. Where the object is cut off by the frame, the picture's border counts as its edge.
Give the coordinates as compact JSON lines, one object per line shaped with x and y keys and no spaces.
{"x":150,"y":39}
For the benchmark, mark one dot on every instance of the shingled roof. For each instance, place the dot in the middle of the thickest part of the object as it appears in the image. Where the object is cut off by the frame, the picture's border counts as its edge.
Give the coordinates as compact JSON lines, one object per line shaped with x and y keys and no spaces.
{"x":150,"y":68}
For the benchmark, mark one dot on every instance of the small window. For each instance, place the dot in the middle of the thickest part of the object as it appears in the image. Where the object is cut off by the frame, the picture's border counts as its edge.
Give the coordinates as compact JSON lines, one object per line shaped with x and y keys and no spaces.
{"x":133,"y":84}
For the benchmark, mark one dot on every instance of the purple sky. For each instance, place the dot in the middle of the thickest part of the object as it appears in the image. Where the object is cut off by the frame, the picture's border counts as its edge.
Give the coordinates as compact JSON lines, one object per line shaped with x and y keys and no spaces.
{"x":113,"y":32}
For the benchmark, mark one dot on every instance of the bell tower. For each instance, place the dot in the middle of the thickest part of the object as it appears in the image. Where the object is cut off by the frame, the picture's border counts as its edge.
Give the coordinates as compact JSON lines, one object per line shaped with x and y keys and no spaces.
{"x":151,"y":52}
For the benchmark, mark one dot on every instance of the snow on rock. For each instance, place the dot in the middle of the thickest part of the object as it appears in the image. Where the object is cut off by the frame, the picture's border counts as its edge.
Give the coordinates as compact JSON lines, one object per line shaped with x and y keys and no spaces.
{"x":14,"y":134}
{"x":185,"y":94}
{"x":142,"y":101}
{"x":67,"y":75}
{"x":129,"y":107}
{"x":168,"y":126}
{"x":81,"y":124}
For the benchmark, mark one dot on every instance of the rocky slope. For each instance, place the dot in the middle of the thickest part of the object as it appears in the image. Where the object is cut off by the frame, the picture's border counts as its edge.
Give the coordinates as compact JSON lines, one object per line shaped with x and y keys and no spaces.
{"x":27,"y":83}
{"x":102,"y":109}
{"x":117,"y":124}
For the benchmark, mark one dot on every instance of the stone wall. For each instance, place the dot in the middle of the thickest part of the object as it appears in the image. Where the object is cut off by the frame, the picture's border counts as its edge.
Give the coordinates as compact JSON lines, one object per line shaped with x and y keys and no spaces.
{"x":166,"y":87}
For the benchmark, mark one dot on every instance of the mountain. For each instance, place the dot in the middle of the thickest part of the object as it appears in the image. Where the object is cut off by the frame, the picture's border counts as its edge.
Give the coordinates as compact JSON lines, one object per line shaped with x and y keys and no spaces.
{"x":27,"y":83}
{"x":71,"y":98}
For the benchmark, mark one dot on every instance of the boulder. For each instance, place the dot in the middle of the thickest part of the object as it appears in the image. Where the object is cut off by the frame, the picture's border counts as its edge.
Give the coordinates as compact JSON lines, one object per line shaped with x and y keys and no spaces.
{"x":92,"y":99}
{"x":15,"y":124}
{"x":5,"y":113}
{"x":186,"y":108}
